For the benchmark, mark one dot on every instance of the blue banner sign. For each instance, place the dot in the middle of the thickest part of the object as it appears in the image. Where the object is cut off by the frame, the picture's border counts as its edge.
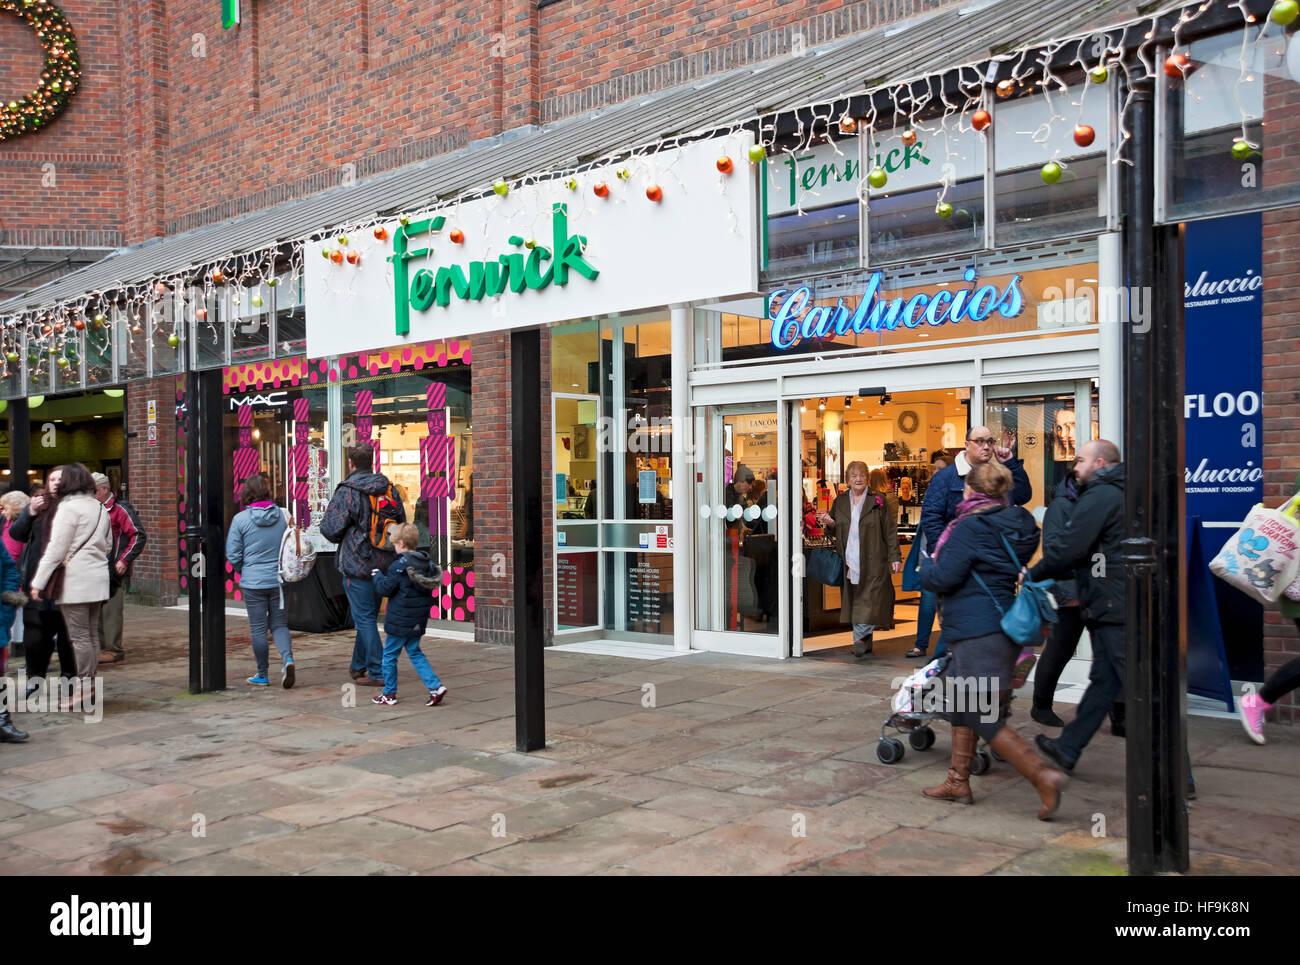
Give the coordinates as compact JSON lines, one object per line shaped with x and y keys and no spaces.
{"x":794,"y":317}
{"x":1223,"y":299}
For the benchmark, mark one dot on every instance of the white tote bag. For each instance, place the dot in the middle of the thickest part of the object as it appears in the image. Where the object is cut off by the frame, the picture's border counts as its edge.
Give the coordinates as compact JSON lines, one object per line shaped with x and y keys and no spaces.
{"x":1262,"y":558}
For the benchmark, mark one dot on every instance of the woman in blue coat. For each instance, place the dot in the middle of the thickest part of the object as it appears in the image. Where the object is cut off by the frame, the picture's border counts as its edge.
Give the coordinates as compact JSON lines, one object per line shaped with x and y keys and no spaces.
{"x":9,"y":587}
{"x":253,"y":549}
{"x":973,"y":571}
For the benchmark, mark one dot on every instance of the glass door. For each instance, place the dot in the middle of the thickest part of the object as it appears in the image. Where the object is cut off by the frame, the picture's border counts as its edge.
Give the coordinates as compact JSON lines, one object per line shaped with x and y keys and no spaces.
{"x":577,"y":489}
{"x":739,"y":542}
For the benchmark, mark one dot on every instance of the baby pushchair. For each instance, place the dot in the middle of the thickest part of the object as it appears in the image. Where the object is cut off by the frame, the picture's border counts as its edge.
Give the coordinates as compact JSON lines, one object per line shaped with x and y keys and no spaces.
{"x":919,"y":701}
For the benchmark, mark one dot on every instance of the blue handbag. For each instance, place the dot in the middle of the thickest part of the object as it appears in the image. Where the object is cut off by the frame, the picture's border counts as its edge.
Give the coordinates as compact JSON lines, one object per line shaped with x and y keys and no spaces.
{"x":826,"y":566}
{"x":1033,"y":607}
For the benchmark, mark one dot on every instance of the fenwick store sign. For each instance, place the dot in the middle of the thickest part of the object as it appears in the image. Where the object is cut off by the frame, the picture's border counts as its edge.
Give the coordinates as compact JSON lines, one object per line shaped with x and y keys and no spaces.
{"x":549,"y":251}
{"x":795,"y":318}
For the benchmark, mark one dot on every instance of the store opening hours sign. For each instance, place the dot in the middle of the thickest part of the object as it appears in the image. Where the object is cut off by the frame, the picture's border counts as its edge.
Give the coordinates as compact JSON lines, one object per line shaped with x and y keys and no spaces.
{"x":664,"y":229}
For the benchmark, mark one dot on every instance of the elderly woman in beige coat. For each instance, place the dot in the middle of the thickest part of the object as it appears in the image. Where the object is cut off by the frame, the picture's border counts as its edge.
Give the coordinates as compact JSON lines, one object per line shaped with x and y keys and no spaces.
{"x":866,"y":536}
{"x":80,"y":537}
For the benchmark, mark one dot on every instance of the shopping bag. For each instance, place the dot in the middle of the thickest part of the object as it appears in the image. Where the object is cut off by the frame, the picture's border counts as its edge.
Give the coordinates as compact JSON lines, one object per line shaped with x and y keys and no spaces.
{"x":1262,"y":558}
{"x":826,"y":566}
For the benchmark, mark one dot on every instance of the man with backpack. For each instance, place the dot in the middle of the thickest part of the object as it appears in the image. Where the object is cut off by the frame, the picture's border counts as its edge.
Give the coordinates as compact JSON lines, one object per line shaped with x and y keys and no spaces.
{"x":360,"y":517}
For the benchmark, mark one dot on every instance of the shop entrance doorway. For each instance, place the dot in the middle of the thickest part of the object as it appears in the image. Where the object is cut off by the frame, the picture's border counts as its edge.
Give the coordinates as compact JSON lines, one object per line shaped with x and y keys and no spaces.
{"x":894,"y":435}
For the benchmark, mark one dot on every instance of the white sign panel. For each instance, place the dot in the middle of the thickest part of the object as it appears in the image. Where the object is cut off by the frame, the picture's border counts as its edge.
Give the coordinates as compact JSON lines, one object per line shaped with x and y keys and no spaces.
{"x":670,"y":228}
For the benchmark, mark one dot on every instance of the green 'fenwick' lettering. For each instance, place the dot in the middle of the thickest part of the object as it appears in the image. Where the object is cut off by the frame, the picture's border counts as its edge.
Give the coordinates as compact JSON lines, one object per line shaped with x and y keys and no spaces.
{"x":515,"y":270}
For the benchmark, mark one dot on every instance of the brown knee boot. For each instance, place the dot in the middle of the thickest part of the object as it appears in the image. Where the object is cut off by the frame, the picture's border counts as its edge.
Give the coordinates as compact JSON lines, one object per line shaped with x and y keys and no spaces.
{"x":957,"y":786}
{"x":1047,"y":781}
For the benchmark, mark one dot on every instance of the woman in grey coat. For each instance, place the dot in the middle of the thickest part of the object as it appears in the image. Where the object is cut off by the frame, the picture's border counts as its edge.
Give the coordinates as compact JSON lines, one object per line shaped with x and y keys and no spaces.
{"x":253,"y":549}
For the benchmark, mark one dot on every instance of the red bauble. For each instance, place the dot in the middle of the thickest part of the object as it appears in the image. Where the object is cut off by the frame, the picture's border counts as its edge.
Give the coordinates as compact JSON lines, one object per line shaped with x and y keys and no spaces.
{"x":354,"y":258}
{"x":654,"y":193}
{"x":1176,"y":65}
{"x":201,"y":314}
{"x":848,"y":125}
{"x":381,"y":233}
{"x":457,"y":236}
{"x":336,"y":256}
{"x":79,"y":325}
{"x":908,"y":137}
{"x":601,"y":189}
{"x":218,"y":278}
{"x":1084,"y":135}
{"x":725,"y":165}
{"x":980,"y":120}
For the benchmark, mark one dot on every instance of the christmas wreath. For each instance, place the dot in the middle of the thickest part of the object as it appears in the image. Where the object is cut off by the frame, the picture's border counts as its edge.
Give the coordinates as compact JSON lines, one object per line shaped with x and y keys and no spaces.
{"x":59,"y":76}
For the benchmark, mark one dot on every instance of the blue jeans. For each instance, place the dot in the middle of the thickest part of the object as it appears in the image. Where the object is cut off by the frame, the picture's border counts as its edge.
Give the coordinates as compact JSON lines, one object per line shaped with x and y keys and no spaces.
{"x":395,"y":645}
{"x":925,"y":614}
{"x":264,"y":608}
{"x":367,"y":652}
{"x":1105,"y":686}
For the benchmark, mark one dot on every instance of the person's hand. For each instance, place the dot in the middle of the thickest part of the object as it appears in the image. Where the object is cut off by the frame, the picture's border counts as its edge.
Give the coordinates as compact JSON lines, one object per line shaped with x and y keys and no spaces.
{"x":825,"y":519}
{"x":1024,"y":575}
{"x":35,"y":595}
{"x":896,"y":567}
{"x":120,"y":567}
{"x":1003,"y":452}
{"x":37,"y":504}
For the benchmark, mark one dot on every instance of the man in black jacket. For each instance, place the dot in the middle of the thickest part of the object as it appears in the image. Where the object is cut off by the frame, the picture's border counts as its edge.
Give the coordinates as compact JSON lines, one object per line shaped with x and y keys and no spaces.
{"x":1087,"y":547}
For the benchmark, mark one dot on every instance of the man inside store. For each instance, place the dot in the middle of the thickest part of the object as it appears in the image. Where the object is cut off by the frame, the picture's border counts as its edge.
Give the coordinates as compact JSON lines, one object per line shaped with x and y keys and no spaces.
{"x":127,"y":544}
{"x":948,"y":484}
{"x":363,"y":507}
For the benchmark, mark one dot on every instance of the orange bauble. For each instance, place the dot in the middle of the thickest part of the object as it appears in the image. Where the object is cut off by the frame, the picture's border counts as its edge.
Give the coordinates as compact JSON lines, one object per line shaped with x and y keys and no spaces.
{"x":909,"y":137}
{"x":1005,"y":88}
{"x":980,"y":120}
{"x":381,"y":233}
{"x":353,"y":258}
{"x":1176,"y":65}
{"x":457,"y":236}
{"x":601,"y":189}
{"x":654,"y":193}
{"x":848,"y":125}
{"x":725,"y":165}
{"x":218,"y":278}
{"x":1084,"y":135}
{"x":336,"y":256}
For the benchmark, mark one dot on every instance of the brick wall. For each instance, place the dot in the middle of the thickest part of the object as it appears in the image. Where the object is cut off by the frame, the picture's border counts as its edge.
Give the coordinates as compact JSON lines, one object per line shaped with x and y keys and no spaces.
{"x":152,"y":486}
{"x":65,"y":184}
{"x":493,"y":548}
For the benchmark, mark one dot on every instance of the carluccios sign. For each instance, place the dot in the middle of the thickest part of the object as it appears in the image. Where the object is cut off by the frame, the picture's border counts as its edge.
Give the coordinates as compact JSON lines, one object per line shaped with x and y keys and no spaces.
{"x":794,"y":316}
{"x":640,"y":234}
{"x":517,"y":271}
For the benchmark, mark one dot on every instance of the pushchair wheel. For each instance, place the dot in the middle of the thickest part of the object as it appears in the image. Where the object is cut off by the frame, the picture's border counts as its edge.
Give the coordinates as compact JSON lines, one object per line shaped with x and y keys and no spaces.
{"x":889,"y":750}
{"x":996,"y":756}
{"x":921,"y":739}
{"x":981,"y":762}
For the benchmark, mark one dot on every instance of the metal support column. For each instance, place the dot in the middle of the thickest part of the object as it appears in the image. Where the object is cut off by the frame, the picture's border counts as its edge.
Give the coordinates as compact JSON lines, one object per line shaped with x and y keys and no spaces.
{"x":526,"y":510}
{"x":20,"y":446}
{"x":193,"y":528}
{"x":214,"y":476}
{"x":1155,"y":624}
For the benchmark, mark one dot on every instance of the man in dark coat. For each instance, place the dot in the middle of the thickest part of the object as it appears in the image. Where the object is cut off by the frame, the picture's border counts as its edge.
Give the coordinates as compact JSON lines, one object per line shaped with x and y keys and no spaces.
{"x":1087,"y":548}
{"x":347,"y":523}
{"x":947,"y":486}
{"x":43,"y":626}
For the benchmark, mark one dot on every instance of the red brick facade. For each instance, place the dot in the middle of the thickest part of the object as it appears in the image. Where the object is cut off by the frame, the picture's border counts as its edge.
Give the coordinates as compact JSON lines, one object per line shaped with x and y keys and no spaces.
{"x":152,"y":485}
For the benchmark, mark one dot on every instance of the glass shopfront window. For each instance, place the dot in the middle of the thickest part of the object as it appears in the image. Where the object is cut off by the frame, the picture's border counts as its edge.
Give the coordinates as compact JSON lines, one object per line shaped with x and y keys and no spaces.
{"x":612,"y":463}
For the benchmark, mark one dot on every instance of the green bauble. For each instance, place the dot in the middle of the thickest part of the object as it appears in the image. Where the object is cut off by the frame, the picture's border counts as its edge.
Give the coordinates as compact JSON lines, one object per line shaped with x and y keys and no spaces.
{"x":1240,"y":149}
{"x":877,"y":178}
{"x":1284,"y":12}
{"x":1051,"y":172}
{"x":757,"y":153}
{"x":1098,"y":74}
{"x":943,"y":209}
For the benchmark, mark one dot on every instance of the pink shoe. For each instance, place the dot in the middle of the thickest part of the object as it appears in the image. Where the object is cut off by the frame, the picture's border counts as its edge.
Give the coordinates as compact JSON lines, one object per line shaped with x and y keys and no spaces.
{"x":1252,"y":716}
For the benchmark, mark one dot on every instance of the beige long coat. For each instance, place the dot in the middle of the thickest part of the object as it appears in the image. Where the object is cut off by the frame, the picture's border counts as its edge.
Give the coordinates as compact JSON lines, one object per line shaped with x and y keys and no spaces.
{"x":872,"y":600}
{"x":81,"y":529}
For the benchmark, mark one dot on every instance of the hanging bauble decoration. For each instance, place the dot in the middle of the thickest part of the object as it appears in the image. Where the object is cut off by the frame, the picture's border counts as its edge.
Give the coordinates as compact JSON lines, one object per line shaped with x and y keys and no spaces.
{"x":981,"y":119}
{"x":1241,"y":149}
{"x":908,"y":137}
{"x":201,"y":314}
{"x":381,"y":233}
{"x":173,"y":340}
{"x":1006,"y":88}
{"x":1051,"y":172}
{"x":1284,"y":12}
{"x":336,"y":256}
{"x":943,"y":209}
{"x":571,"y":184}
{"x":1084,"y":135}
{"x":848,"y":125}
{"x":725,"y":165}
{"x":1176,"y":65}
{"x":624,"y":174}
{"x":257,"y":301}
{"x":354,"y":258}
{"x":757,"y":153}
{"x":217,"y":277}
{"x":100,"y":319}
{"x":59,"y":73}
{"x":79,"y":324}
{"x":342,"y":240}
{"x":63,"y":363}
{"x":654,"y":193}
{"x":11,"y":356}
{"x":1098,"y":74}
{"x":877,"y":177}
{"x":501,"y":188}
{"x":327,"y":252}
{"x":600,"y":189}
{"x":404,"y":220}
{"x":457,"y":236}
{"x":270,"y":282}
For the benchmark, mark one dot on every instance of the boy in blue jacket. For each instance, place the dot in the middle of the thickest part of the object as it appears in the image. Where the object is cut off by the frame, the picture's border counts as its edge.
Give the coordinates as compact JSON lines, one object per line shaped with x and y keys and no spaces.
{"x":410,"y":582}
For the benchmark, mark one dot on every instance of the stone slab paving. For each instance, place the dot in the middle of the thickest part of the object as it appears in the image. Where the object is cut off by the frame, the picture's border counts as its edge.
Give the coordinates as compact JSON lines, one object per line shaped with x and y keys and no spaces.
{"x":710,"y":764}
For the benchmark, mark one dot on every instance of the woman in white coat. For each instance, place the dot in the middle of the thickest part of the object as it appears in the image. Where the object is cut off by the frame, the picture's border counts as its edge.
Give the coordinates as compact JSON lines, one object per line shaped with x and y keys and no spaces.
{"x":80,"y":537}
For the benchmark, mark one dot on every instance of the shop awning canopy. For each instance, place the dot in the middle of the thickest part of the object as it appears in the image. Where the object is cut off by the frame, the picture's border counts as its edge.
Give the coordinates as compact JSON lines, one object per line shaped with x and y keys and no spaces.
{"x":932,"y":44}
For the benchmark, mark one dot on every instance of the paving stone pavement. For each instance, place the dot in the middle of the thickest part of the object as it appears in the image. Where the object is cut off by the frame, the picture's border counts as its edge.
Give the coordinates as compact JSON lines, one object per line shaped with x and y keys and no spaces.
{"x":737,"y":766}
